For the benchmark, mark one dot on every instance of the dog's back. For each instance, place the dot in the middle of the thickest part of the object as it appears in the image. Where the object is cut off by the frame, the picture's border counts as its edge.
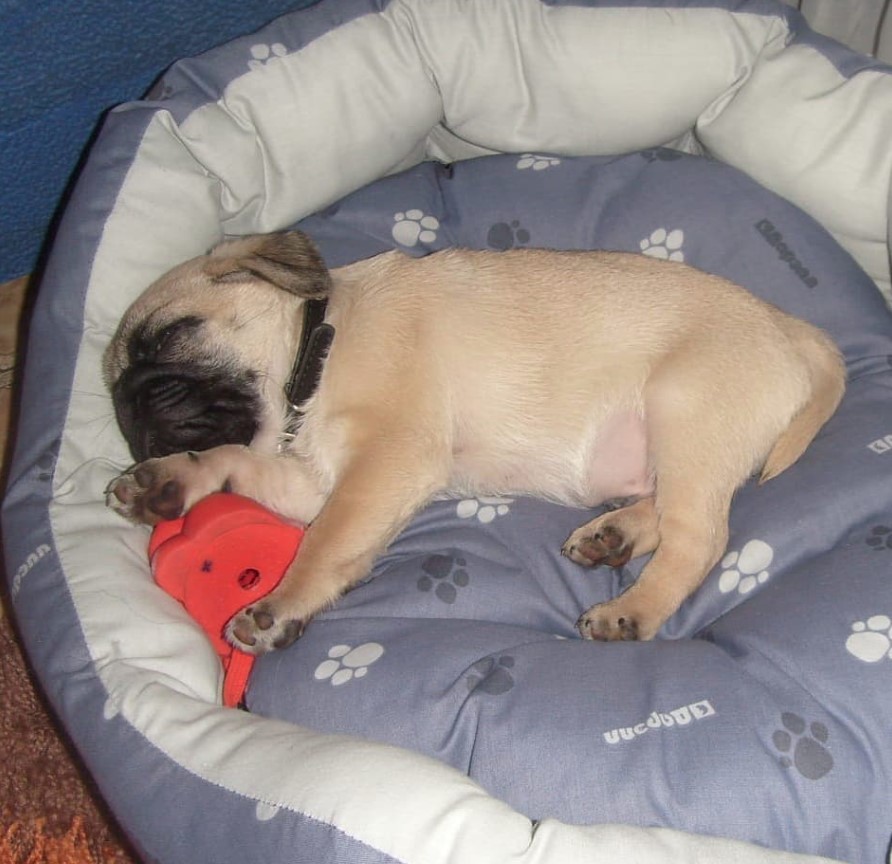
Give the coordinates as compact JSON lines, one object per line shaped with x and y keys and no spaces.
{"x":538,"y":358}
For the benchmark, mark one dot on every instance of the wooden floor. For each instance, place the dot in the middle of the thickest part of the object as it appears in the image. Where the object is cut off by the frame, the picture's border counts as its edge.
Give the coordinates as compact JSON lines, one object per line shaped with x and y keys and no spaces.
{"x":12,"y":296}
{"x":50,"y":811}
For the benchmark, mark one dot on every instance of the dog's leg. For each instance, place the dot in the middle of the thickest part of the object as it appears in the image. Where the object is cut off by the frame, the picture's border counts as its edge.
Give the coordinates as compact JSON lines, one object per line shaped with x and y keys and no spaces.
{"x":700,"y":453}
{"x":377,"y":493}
{"x":692,"y":534}
{"x":615,"y":537}
{"x":167,"y":487}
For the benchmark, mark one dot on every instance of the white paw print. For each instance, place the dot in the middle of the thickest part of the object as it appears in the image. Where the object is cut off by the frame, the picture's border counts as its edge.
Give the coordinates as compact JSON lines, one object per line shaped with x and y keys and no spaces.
{"x":536,"y":162}
{"x":346,"y":663}
{"x":262,"y":54}
{"x":745,"y":569}
{"x":871,"y":640}
{"x":264,"y":812}
{"x":413,"y":227}
{"x":664,"y":244}
{"x":485,"y":509}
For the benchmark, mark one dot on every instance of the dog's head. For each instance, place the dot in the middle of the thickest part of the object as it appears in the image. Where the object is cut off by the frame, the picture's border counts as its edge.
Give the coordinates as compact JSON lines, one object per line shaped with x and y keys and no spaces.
{"x":201,"y":357}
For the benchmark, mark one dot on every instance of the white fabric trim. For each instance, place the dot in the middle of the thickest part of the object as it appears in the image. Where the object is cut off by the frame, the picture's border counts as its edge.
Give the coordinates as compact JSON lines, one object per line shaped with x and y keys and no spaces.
{"x":396,"y":86}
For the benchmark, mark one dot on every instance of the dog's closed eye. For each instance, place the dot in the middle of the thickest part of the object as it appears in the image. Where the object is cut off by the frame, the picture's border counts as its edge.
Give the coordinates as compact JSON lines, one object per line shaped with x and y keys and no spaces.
{"x":150,"y":345}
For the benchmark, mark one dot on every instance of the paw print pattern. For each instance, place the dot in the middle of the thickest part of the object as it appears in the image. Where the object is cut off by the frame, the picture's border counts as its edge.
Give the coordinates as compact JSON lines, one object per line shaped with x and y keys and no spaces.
{"x":413,"y":227}
{"x":871,"y":640}
{"x":743,"y":570}
{"x":507,"y":235}
{"x":446,"y":575}
{"x":801,"y":749}
{"x":263,"y":812}
{"x":491,"y":676}
{"x":161,"y":91}
{"x":485,"y":509}
{"x":263,"y":54}
{"x":664,"y":244}
{"x":346,"y":663}
{"x":661,"y":154}
{"x":880,"y":538}
{"x":536,"y":162}
{"x":46,"y":463}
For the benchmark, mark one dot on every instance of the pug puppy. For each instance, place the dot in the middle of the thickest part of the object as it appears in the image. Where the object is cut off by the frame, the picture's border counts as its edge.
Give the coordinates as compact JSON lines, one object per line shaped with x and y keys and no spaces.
{"x":578,"y":377}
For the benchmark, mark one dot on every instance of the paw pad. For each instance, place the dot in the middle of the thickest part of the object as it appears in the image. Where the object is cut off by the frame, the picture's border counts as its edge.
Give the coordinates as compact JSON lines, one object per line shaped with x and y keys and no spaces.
{"x":871,"y":640}
{"x":744,"y":570}
{"x":345,"y":663}
{"x":664,"y":244}
{"x":448,"y":574}
{"x":413,"y":227}
{"x":491,"y":676}
{"x":803,"y":749}
{"x":485,"y":509}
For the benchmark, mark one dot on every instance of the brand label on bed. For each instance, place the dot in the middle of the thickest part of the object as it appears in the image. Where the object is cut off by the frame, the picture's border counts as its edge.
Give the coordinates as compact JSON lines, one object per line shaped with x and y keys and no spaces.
{"x":27,"y":567}
{"x":881,"y":445}
{"x":775,"y":239}
{"x":683,"y":716}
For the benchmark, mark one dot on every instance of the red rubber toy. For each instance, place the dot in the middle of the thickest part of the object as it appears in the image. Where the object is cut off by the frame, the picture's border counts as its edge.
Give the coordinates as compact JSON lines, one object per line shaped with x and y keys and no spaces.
{"x":225,"y":553}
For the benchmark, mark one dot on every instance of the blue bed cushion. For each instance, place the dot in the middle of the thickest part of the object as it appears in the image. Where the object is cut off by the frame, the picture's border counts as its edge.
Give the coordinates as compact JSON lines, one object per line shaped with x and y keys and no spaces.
{"x":762,"y":710}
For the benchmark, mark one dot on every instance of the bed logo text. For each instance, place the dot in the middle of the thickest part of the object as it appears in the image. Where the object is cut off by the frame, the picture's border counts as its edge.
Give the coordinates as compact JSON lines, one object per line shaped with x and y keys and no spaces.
{"x":27,"y":567}
{"x":657,"y":720}
{"x":775,"y":239}
{"x":881,"y":445}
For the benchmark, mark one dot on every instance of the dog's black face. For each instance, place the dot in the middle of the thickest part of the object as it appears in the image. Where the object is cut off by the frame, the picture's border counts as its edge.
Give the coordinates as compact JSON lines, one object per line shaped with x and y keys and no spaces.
{"x":193,"y":362}
{"x":170,"y":398}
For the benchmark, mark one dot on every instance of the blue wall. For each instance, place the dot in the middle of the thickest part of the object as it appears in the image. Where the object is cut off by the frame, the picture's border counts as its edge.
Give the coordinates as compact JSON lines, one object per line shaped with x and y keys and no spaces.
{"x":62,"y":64}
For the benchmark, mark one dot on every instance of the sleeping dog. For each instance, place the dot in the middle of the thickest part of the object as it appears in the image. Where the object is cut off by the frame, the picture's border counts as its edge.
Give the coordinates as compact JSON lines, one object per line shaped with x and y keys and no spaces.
{"x":579,"y":377}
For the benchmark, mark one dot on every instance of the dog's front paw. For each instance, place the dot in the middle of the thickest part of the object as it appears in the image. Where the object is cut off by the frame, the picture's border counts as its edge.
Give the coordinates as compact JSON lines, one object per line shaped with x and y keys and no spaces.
{"x":146,"y":494}
{"x":591,"y":548}
{"x":260,"y":628}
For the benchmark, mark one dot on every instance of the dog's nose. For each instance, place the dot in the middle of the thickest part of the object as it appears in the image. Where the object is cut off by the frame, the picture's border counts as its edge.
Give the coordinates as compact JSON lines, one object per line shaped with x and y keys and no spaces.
{"x":165,"y":408}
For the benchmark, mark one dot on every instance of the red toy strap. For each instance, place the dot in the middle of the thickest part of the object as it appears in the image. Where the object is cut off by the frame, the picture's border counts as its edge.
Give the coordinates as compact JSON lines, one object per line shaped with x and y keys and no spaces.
{"x":227,"y":552}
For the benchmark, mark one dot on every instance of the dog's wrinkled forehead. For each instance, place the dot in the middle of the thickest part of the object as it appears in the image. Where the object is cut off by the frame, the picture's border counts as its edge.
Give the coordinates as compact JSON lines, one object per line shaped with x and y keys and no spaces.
{"x":151,"y":339}
{"x":179,"y":309}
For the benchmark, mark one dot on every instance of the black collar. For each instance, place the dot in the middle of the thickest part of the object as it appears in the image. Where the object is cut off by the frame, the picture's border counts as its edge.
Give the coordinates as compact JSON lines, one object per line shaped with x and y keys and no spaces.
{"x":315,"y":341}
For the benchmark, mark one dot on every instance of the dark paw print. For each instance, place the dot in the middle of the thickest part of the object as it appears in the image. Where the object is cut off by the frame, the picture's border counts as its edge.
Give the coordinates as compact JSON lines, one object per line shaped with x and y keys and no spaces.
{"x":445,"y":574}
{"x":803,"y":750}
{"x":331,"y":211}
{"x":491,"y":676}
{"x":46,"y":464}
{"x":661,"y":154}
{"x":161,"y":91}
{"x":880,"y":538}
{"x":504,"y":235}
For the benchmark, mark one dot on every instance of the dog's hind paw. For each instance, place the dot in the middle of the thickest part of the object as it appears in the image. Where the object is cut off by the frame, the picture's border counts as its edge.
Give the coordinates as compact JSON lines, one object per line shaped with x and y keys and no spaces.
{"x":602,"y":627}
{"x":607,"y":545}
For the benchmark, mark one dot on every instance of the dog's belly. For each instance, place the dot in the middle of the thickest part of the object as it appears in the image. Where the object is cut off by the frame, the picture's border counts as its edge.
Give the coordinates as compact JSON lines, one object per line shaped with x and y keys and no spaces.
{"x":617,"y":462}
{"x":601,"y":464}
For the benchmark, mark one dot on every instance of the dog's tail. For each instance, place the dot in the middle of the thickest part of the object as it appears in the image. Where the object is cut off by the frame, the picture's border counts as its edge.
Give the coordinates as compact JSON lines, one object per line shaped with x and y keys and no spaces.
{"x":827,"y":371}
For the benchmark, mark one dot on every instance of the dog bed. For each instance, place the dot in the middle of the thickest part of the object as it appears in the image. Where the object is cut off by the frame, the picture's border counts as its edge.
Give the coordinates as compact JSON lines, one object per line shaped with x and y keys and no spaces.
{"x":446,"y":710}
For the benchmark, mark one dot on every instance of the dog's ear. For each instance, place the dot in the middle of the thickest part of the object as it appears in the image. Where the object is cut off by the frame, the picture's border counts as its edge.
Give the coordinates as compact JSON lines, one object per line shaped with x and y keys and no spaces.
{"x":289,"y":261}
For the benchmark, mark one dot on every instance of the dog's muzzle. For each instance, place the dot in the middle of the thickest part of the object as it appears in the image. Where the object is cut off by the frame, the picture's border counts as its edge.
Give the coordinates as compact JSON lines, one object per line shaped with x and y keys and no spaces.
{"x":167,"y":408}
